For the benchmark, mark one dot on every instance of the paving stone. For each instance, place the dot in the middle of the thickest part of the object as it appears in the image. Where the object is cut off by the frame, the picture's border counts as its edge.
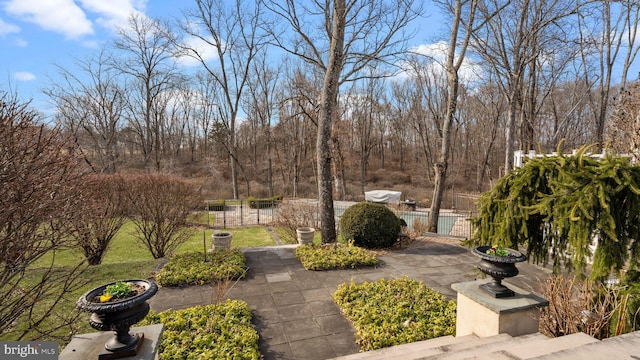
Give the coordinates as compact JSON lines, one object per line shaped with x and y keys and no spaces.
{"x":312,"y":295}
{"x":278,"y":277}
{"x":252,"y":290}
{"x":283,"y":286}
{"x":264,"y":301}
{"x":273,"y":334}
{"x":304,"y":328}
{"x":261,"y":317}
{"x":343,"y":343}
{"x":287,"y":298}
{"x":276,"y":352}
{"x":312,"y":349}
{"x":333,"y":324}
{"x":324,"y":307}
{"x":294,"y":312}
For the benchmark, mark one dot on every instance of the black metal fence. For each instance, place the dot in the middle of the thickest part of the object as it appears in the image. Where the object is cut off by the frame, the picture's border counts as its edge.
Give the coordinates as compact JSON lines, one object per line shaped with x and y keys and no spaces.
{"x":235,"y":213}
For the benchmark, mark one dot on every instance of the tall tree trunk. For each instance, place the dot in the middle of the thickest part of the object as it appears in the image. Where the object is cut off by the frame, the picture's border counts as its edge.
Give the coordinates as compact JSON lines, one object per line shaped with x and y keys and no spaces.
{"x":452,"y":67}
{"x":328,"y":107}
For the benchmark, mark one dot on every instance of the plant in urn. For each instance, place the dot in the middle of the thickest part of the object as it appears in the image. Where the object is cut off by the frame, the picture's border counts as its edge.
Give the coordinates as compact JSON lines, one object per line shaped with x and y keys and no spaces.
{"x":499,"y":263}
{"x":116,"y":307}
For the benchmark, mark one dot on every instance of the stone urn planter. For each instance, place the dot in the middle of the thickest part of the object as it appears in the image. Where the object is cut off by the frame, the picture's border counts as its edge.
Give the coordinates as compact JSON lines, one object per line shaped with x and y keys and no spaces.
{"x":119,"y":314}
{"x":498,"y":267}
{"x":305,"y":235}
{"x":222,"y":240}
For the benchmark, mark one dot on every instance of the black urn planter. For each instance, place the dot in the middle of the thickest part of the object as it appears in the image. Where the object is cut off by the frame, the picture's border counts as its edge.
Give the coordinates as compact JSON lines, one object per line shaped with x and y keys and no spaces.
{"x":118,"y":316}
{"x":498,"y":267}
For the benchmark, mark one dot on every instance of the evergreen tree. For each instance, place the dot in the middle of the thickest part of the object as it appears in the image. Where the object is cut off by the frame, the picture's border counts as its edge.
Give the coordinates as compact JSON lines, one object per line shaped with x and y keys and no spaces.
{"x":558,"y":206}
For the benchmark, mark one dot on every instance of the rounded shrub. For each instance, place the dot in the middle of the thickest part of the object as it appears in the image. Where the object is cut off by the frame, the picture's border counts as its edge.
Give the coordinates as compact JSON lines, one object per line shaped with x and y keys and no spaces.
{"x":370,"y":225}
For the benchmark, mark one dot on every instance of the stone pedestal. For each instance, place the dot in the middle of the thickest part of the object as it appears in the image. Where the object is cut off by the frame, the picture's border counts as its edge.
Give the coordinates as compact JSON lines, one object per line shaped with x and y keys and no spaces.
{"x":91,"y":346}
{"x":483,"y":315}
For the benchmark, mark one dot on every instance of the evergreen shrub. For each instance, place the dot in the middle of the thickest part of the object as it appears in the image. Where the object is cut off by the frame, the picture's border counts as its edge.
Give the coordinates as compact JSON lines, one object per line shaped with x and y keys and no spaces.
{"x":370,"y":225}
{"x":264,"y":203}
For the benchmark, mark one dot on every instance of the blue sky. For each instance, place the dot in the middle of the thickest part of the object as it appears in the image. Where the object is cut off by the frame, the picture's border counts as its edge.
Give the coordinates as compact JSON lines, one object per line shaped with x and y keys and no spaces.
{"x":36,"y":34}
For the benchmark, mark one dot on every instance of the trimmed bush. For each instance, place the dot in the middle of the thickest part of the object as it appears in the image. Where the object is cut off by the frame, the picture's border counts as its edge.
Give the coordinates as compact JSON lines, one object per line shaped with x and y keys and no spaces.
{"x":334,"y":256}
{"x":191,"y":269}
{"x":399,"y":311}
{"x":370,"y":225}
{"x":217,"y":205}
{"x":219,"y":331}
{"x":263,"y":203}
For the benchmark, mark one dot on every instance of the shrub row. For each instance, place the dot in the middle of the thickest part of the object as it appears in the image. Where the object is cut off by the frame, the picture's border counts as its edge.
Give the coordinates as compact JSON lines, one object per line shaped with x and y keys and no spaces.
{"x":334,"y":256}
{"x":263,"y":203}
{"x":191,"y":268}
{"x":218,"y":331}
{"x":217,"y":205}
{"x":387,"y":313}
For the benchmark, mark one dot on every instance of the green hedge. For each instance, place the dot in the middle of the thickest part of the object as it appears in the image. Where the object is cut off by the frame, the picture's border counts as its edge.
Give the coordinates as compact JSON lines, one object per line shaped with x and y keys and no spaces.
{"x":263,"y":203}
{"x":218,"y":205}
{"x":218,"y":331}
{"x":191,"y":269}
{"x":388,"y":313}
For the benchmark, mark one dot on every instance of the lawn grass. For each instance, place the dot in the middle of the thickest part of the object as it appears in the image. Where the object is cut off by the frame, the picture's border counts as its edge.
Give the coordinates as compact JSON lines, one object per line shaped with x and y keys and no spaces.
{"x":126,"y":258}
{"x":125,"y":247}
{"x":94,"y":276}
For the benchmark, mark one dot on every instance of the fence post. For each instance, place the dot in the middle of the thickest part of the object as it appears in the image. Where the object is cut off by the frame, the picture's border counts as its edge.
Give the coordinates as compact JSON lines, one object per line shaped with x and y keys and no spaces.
{"x":224,"y":213}
{"x":241,"y":202}
{"x":208,"y":215}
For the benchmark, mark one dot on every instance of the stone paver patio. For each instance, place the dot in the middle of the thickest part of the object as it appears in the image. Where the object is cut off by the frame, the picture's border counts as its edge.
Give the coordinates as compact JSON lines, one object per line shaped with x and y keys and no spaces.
{"x":293,"y":309}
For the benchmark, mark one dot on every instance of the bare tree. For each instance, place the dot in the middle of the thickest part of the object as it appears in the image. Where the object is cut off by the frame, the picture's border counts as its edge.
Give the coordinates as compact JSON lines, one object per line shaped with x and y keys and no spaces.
{"x":509,"y":44}
{"x":455,"y":57}
{"x":159,"y":206}
{"x":295,"y":130}
{"x":618,"y":23}
{"x":102,"y":204}
{"x":261,"y":104}
{"x":624,"y":130}
{"x":39,"y":178}
{"x":92,"y":107}
{"x":340,"y":38}
{"x":148,"y":59}
{"x":233,"y":32}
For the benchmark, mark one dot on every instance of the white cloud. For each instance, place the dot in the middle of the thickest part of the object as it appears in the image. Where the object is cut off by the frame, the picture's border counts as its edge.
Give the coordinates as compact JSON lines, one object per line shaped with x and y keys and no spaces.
{"x":61,"y":16}
{"x":6,"y":28}
{"x":24,"y":76}
{"x":436,"y":56}
{"x":113,"y":14}
{"x":73,"y":19}
{"x":20,"y":42}
{"x":207,"y":51}
{"x":436,"y":51}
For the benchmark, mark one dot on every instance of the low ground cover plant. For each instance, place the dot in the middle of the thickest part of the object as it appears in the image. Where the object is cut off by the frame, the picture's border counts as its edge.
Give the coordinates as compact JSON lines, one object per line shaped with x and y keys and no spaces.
{"x":393,"y":312}
{"x":334,"y":256}
{"x":218,"y":331}
{"x":191,"y":268}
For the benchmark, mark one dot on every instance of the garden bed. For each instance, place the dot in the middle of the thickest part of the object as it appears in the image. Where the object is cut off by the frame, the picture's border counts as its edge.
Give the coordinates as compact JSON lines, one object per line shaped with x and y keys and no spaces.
{"x":192,"y":269}
{"x":334,"y":256}
{"x":218,"y":331}
{"x":393,"y":312}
